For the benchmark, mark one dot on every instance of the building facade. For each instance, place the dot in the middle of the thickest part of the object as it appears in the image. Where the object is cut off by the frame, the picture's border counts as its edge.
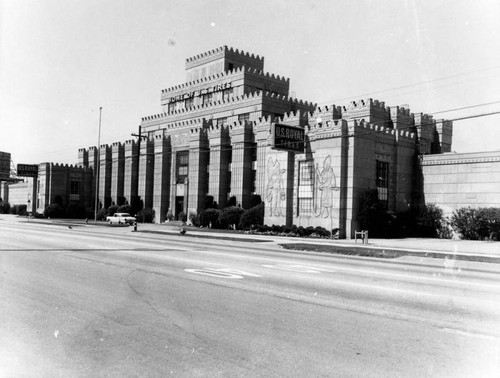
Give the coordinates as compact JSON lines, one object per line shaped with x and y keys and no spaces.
{"x":456,"y":180}
{"x":215,"y":139}
{"x":55,"y":183}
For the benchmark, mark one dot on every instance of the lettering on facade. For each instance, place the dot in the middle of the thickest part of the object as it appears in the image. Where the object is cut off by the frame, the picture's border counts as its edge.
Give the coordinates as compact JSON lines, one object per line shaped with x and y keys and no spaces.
{"x":288,"y":138}
{"x":200,"y":92}
{"x":27,"y":170}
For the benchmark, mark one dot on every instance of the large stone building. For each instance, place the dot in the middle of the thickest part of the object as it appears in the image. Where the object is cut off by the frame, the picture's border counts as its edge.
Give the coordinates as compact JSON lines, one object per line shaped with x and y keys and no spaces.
{"x":215,"y":137}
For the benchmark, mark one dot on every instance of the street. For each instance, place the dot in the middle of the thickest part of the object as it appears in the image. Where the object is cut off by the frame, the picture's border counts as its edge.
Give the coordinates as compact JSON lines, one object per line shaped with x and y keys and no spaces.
{"x":94,"y":300}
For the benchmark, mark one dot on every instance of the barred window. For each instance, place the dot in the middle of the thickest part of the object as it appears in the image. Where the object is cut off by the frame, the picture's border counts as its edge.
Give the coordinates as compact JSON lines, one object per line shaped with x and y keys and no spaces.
{"x":382,"y":181}
{"x":182,"y":165}
{"x":306,"y":181}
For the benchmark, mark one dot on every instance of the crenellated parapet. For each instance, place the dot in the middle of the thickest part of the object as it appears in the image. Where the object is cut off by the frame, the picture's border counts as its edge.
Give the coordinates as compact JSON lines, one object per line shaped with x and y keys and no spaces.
{"x":370,"y":110}
{"x":298,"y":118}
{"x":325,"y":113}
{"x":226,"y":76}
{"x":224,"y":52}
{"x":325,"y":130}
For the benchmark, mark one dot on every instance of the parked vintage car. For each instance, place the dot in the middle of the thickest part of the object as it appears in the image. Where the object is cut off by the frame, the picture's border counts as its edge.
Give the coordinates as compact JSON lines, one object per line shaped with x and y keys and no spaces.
{"x":121,"y":218}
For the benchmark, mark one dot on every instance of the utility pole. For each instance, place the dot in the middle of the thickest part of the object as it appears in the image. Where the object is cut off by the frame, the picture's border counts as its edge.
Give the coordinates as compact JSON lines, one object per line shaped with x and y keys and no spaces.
{"x":97,"y":166}
{"x":140,"y":137}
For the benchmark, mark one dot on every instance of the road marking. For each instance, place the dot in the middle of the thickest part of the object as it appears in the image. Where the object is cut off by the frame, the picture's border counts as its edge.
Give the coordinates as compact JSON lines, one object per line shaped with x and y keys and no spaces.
{"x":468,"y":334}
{"x":222,"y":273}
{"x":294,"y":268}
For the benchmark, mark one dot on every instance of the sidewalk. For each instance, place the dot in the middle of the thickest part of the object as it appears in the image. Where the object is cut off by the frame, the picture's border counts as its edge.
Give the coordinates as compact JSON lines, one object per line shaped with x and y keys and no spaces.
{"x":423,"y":245}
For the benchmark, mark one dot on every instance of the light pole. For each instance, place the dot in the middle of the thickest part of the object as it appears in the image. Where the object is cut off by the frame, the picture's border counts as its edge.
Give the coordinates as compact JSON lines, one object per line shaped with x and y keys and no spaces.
{"x":97,"y":166}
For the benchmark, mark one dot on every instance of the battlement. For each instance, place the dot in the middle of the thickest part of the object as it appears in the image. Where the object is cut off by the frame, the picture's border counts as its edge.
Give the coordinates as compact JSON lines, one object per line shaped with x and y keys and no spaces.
{"x":423,"y":119}
{"x":116,"y":144}
{"x":221,"y":52}
{"x":235,"y":73}
{"x":66,"y":166}
{"x":399,"y":111}
{"x":130,"y":142}
{"x":365,"y":104}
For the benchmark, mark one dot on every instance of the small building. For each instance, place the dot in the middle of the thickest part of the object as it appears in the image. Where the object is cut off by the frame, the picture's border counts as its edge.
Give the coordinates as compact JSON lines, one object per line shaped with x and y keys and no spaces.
{"x":55,"y":183}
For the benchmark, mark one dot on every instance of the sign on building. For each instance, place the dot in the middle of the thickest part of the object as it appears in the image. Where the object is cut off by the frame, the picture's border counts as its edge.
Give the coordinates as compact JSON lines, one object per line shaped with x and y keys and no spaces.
{"x":28,"y":170}
{"x":288,"y":138}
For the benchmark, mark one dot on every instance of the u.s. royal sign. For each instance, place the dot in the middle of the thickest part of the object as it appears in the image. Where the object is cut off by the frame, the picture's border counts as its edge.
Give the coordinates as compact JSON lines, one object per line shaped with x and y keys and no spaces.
{"x":288,"y":138}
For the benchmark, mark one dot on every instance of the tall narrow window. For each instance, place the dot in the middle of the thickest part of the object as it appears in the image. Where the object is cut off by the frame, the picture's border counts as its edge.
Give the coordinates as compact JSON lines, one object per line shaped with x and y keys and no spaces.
{"x":182,"y":165}
{"x":382,"y":181}
{"x":306,"y":181}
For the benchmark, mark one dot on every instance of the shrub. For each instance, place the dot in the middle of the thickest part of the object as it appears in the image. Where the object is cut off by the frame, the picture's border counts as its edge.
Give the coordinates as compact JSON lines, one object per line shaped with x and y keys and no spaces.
{"x":54,"y":210}
{"x":146,"y":215}
{"x":374,"y":217}
{"x":170,"y":215}
{"x":230,"y":216}
{"x":193,"y":218}
{"x":476,"y":224}
{"x":430,"y":222}
{"x":255,"y":200}
{"x":102,"y":214}
{"x":5,"y":208}
{"x":252,"y":217}
{"x":231,"y":201}
{"x":126,"y":209}
{"x":209,"y":217}
{"x":182,"y":217}
{"x":113,"y":209}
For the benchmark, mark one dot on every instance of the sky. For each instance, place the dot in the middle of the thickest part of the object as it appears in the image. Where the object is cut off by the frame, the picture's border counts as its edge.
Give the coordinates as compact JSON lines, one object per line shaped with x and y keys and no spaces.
{"x":60,"y":61}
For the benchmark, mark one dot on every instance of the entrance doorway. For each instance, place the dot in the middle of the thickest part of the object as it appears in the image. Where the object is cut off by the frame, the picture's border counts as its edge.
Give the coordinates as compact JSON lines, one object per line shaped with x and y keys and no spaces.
{"x":179,"y":206}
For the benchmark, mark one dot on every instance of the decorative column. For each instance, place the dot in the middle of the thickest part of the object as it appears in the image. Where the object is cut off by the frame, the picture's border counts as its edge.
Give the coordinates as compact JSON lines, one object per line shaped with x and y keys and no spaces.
{"x":220,"y":152}
{"x":117,"y":173}
{"x":161,"y":186}
{"x":104,"y":193}
{"x":198,"y":163}
{"x":146,"y":171}
{"x":241,"y":167}
{"x":130,"y":171}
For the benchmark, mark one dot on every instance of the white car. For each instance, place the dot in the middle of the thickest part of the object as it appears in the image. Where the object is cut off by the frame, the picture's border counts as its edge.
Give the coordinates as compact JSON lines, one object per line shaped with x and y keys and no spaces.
{"x":121,"y":218}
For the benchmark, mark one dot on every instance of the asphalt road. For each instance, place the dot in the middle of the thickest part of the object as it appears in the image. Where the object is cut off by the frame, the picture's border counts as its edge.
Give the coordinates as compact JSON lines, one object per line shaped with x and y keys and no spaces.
{"x":105,"y":301}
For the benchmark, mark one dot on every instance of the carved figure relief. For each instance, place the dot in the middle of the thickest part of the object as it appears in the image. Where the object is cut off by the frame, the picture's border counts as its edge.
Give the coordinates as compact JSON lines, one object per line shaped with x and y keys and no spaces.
{"x":275,"y":190}
{"x":325,"y":185}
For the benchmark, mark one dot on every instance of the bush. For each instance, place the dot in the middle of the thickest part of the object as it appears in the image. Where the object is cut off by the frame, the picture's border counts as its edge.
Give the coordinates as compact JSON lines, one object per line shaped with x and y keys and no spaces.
{"x":230,"y":216}
{"x":182,"y":217}
{"x":252,"y":217}
{"x":5,"y":208}
{"x":476,"y":224}
{"x":430,"y":222}
{"x":374,"y":217}
{"x":126,"y":209}
{"x":231,"y":201}
{"x":102,"y":214}
{"x":54,"y":210}
{"x":113,"y":209}
{"x":193,"y":218}
{"x":146,"y":215}
{"x":255,"y":200}
{"x":209,"y":218}
{"x":170,"y":216}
